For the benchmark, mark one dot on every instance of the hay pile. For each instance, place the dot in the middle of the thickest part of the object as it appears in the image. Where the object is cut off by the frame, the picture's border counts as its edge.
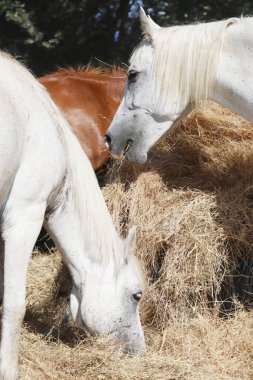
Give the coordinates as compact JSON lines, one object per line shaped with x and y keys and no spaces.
{"x":201,"y":349}
{"x":193,"y":205}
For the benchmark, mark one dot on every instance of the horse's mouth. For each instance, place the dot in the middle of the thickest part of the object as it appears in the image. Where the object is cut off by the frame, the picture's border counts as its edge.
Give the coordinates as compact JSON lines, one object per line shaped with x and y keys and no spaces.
{"x":128,"y":144}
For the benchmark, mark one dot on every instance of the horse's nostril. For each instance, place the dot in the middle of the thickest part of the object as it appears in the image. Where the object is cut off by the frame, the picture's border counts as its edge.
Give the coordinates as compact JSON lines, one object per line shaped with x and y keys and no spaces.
{"x":108,"y":141}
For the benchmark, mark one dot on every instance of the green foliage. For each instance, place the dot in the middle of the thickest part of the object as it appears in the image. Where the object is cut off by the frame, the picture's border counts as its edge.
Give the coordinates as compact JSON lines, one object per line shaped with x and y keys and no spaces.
{"x":177,"y":11}
{"x":47,"y":34}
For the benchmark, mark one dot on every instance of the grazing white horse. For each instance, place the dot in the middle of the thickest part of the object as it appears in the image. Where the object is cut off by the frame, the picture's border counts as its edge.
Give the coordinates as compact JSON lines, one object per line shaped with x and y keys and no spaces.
{"x":174,"y":68}
{"x":46,"y":177}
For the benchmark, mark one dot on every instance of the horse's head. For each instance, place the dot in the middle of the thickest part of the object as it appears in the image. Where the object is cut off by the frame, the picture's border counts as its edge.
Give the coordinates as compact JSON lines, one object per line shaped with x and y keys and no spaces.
{"x":137,"y":125}
{"x":107,"y":300}
{"x":170,"y":70}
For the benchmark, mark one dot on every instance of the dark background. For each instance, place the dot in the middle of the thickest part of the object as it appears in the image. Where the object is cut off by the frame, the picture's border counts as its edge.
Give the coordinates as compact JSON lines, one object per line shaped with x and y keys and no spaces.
{"x":59,"y":33}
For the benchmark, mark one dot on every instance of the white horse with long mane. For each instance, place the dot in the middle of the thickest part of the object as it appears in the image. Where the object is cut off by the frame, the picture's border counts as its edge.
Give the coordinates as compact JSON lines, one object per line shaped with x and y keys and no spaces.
{"x":173,"y":69}
{"x":47,"y":178}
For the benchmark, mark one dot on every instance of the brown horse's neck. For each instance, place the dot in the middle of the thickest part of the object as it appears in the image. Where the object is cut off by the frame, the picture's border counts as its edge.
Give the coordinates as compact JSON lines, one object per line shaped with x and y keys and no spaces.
{"x":88,"y":99}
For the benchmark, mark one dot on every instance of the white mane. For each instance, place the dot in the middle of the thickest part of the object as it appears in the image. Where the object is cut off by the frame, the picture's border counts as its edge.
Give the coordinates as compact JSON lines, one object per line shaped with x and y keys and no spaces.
{"x":185,"y":62}
{"x":96,"y":226}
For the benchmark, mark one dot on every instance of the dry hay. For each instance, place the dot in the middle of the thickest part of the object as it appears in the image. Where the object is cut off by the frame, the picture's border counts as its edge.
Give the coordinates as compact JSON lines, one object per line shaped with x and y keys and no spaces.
{"x":192,"y":204}
{"x":201,"y":349}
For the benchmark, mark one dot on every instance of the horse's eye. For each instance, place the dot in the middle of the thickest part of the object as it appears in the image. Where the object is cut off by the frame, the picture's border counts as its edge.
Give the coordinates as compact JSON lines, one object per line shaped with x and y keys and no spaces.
{"x":132,"y":75}
{"x":137,"y":296}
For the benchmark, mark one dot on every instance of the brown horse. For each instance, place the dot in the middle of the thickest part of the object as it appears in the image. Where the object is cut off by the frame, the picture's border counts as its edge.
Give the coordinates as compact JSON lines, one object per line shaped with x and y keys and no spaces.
{"x":88,"y":98}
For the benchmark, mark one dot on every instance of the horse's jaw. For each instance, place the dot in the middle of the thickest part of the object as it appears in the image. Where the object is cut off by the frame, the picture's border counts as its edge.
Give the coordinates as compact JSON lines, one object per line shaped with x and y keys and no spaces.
{"x":133,"y":132}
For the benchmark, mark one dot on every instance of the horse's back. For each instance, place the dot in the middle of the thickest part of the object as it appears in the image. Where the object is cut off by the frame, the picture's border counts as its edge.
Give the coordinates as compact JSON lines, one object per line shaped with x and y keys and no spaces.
{"x":31,"y":152}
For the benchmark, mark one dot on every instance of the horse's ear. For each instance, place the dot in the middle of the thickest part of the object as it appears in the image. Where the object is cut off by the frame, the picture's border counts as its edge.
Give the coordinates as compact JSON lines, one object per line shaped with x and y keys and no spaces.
{"x":130,"y":242}
{"x":148,"y":26}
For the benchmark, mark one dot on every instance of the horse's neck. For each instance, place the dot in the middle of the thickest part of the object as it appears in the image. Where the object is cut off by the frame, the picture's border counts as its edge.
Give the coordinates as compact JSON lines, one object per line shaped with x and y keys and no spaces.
{"x":80,"y":239}
{"x":233,"y":88}
{"x":65,"y":231}
{"x":80,"y":222}
{"x":115,"y":88}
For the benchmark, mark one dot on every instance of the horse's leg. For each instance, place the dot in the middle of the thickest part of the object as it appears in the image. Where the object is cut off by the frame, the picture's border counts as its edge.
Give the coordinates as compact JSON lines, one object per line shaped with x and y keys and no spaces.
{"x":1,"y":269}
{"x":21,"y":226}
